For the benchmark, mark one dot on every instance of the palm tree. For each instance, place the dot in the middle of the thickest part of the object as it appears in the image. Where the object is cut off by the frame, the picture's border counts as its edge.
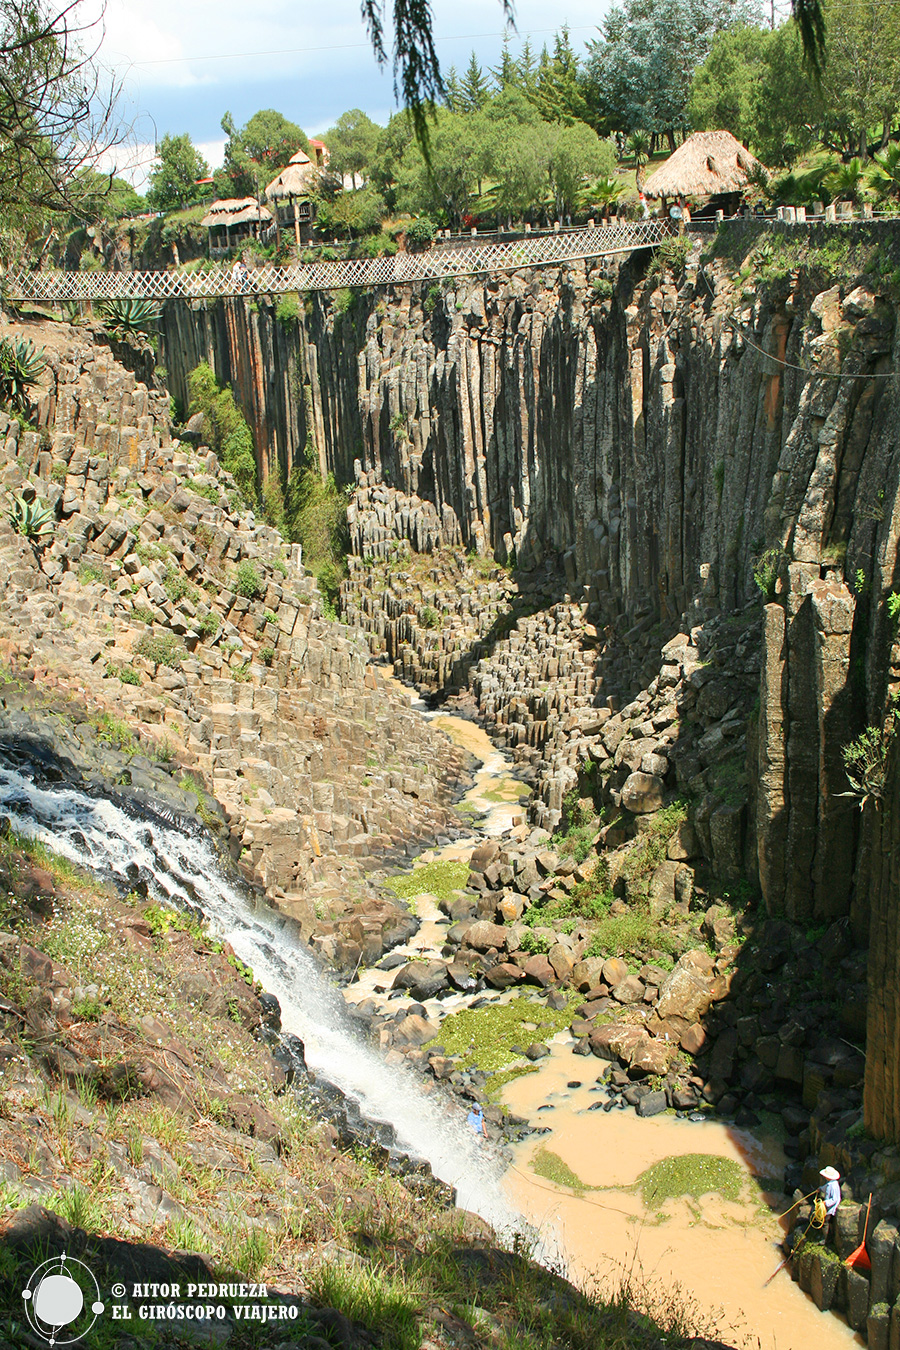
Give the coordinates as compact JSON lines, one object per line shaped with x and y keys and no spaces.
{"x":883,"y":172}
{"x":845,"y":183}
{"x":638,"y":147}
{"x":607,"y":192}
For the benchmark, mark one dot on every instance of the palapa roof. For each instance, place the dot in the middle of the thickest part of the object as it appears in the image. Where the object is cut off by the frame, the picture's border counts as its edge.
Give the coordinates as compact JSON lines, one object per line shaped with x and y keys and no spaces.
{"x":296,"y":180}
{"x":706,"y":163}
{"x":235,"y":211}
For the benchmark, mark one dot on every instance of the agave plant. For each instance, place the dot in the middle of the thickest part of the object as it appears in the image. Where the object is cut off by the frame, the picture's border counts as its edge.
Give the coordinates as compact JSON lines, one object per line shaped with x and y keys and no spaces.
{"x":30,"y":517}
{"x":129,"y":316}
{"x":21,"y":366}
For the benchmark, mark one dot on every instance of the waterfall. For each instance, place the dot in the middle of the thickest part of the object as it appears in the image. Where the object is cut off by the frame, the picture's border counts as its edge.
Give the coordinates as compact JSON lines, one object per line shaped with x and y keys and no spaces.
{"x":180,"y":867}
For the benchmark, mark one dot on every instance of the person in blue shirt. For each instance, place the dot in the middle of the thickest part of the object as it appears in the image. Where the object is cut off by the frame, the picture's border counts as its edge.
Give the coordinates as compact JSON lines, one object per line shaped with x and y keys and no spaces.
{"x":830,"y":1194}
{"x":475,"y":1119}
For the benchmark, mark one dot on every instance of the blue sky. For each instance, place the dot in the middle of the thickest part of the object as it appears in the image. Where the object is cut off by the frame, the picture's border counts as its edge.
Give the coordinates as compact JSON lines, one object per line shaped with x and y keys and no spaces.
{"x":183,"y":63}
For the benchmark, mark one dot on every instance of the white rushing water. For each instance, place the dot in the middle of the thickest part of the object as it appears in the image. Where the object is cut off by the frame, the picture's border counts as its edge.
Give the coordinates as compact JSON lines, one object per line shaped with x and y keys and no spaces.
{"x":182,"y":868}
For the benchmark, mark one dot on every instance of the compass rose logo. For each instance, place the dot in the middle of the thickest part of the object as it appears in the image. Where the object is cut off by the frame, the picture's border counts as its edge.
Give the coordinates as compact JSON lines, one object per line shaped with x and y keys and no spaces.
{"x":58,"y":1302}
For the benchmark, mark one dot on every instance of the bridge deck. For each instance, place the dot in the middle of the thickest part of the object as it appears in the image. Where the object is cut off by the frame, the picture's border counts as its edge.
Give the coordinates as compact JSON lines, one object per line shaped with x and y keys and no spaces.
{"x":459,"y":260}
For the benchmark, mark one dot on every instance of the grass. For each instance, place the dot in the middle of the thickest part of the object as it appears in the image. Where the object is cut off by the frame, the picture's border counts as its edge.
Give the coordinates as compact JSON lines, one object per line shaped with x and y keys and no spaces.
{"x":113,"y":731}
{"x":635,"y":933}
{"x":435,"y":878}
{"x":486,"y":1036}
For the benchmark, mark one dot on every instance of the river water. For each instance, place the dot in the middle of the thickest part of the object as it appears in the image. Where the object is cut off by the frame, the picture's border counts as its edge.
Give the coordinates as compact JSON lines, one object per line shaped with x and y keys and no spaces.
{"x":712,"y":1254}
{"x":719,"y":1252}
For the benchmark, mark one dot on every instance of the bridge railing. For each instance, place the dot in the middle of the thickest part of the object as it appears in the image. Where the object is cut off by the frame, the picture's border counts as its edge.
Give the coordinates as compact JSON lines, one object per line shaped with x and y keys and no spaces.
{"x":433,"y":264}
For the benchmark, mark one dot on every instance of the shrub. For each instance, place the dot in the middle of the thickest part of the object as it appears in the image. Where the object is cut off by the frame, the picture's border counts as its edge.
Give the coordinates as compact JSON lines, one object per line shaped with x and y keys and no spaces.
{"x":247,"y":581}
{"x":429,"y":617}
{"x":602,"y":288}
{"x":865,"y":760}
{"x":127,"y":674}
{"x":671,"y":255}
{"x":316,"y":518}
{"x":58,"y":471}
{"x":208,"y":626}
{"x":163,"y":649}
{"x":420,"y":233}
{"x":87,"y":573}
{"x":113,"y":731}
{"x":205,"y":490}
{"x":432,"y":299}
{"x":765,"y":571}
{"x":225,"y":427}
{"x":267,"y":655}
{"x":287,"y":310}
{"x":893,"y":606}
{"x":175,"y":584}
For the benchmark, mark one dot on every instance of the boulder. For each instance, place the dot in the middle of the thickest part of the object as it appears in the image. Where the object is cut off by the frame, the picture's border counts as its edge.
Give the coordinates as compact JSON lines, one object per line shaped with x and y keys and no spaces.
{"x":629,"y":990}
{"x":643,"y":793}
{"x":538,"y":970}
{"x":503,"y":975}
{"x":614,"y":971}
{"x":686,"y":992}
{"x":560,"y":958}
{"x":414,"y":1030}
{"x":587,"y":973}
{"x":651,"y":1056}
{"x":484,"y":935}
{"x":485,"y":854}
{"x":537,"y":1050}
{"x":651,"y":1104}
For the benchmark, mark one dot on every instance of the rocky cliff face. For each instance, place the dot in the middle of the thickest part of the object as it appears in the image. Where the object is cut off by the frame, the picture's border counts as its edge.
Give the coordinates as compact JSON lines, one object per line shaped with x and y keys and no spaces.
{"x":650,"y":453}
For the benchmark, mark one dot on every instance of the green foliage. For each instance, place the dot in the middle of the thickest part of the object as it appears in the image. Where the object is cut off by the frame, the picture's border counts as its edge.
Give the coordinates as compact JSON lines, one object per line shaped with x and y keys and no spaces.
{"x":113,"y":731}
{"x":247,"y":581}
{"x":287,"y":309}
{"x":352,"y":143}
{"x":208,"y":625}
{"x":690,"y":1174}
{"x":488,"y":1036}
{"x":437,"y":878}
{"x":30,"y":517}
{"x":344,"y":300}
{"x":536,"y":944}
{"x":129,"y":316}
{"x":671,"y":255}
{"x":225,"y":427}
{"x":893,"y":606}
{"x":176,"y":584}
{"x":255,"y":153}
{"x":432,"y":299}
{"x":766,"y":570}
{"x":429,"y":617}
{"x":206,"y":491}
{"x":316,"y":518}
{"x":634,"y":933}
{"x":21,"y":366}
{"x":266,"y":655}
{"x":173,"y":179}
{"x":87,"y":573}
{"x":127,"y":674}
{"x":550,"y":1165}
{"x":866,"y":759}
{"x":420,"y":232}
{"x":164,"y":649}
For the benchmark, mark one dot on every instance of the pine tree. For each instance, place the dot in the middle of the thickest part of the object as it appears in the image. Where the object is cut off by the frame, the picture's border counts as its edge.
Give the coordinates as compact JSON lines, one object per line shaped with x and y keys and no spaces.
{"x":473,"y":89}
{"x":453,"y":90}
{"x":506,"y":75}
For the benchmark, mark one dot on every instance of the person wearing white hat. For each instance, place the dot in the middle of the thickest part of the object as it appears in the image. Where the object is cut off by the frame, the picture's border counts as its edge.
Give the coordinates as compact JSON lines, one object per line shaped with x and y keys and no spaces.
{"x":830,"y":1194}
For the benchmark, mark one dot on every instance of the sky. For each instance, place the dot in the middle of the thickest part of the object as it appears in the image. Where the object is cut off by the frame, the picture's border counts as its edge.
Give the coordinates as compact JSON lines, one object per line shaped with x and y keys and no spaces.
{"x":183,"y":63}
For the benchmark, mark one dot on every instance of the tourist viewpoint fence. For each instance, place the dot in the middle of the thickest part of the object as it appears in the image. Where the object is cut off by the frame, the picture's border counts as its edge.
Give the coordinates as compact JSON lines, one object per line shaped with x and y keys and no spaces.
{"x":457,"y":259}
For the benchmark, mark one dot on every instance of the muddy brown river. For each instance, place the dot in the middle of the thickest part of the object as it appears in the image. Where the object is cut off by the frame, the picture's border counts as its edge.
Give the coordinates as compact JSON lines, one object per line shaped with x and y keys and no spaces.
{"x":711,"y":1254}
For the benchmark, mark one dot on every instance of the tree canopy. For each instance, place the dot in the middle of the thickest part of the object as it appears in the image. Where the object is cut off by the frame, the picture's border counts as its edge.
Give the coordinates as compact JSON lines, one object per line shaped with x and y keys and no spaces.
{"x":256,"y":152}
{"x":173,"y":179}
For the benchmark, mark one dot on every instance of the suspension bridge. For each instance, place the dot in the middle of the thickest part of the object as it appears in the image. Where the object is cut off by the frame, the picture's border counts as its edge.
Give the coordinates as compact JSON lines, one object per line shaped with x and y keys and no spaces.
{"x":460,"y":258}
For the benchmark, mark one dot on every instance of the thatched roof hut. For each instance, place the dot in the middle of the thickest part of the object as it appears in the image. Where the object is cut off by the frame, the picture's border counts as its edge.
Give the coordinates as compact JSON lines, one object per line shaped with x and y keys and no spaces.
{"x":707,"y":163}
{"x":233,"y":211}
{"x":297,"y":179}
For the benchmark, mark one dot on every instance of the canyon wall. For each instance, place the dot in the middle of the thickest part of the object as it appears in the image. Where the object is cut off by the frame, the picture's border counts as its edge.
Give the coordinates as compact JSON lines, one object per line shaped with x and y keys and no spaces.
{"x":665,"y":449}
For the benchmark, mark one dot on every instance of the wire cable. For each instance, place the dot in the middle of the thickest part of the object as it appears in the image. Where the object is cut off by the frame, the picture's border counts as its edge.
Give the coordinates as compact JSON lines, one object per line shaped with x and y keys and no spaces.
{"x":791,"y":365}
